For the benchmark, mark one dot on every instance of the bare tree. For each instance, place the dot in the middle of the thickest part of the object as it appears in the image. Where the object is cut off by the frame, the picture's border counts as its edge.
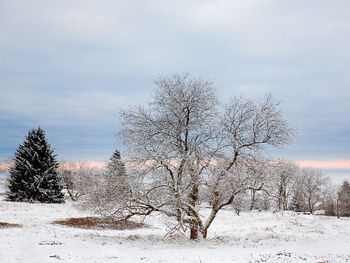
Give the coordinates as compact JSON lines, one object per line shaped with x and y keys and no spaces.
{"x":240,"y":202}
{"x":74,"y":176}
{"x":284,"y":174}
{"x":298,"y":201}
{"x":313,"y":183}
{"x":330,"y":200}
{"x":343,"y":200}
{"x":259,"y":178}
{"x":66,"y":172}
{"x":186,"y":144}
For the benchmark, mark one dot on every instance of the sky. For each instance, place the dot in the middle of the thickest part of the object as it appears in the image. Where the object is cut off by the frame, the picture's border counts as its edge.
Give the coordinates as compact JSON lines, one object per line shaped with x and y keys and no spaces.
{"x":70,"y":66}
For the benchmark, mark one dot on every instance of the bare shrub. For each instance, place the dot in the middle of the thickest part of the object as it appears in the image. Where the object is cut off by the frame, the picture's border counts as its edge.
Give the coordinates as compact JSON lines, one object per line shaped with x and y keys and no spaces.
{"x":106,"y":191}
{"x":7,"y":225}
{"x":100,"y":223}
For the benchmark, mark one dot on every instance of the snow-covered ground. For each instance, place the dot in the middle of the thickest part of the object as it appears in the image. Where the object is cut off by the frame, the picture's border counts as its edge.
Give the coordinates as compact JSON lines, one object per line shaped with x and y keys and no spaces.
{"x":250,"y":237}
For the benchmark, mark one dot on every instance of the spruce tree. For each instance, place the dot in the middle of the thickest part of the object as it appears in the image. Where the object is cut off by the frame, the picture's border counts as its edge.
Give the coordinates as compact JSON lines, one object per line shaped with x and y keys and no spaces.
{"x":116,"y":174}
{"x":34,"y":177}
{"x":107,"y":192}
{"x":115,"y":165}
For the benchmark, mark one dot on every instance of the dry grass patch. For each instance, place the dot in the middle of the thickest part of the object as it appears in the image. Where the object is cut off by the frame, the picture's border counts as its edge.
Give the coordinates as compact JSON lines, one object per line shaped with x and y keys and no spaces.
{"x":7,"y":225}
{"x":100,"y":223}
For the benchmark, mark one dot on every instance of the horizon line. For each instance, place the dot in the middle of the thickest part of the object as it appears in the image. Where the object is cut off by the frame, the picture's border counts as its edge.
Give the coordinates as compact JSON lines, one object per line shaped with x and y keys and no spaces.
{"x":341,"y":164}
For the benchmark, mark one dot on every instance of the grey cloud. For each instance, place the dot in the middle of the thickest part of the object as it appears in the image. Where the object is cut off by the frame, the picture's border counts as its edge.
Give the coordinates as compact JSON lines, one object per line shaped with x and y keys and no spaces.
{"x":71,"y":66}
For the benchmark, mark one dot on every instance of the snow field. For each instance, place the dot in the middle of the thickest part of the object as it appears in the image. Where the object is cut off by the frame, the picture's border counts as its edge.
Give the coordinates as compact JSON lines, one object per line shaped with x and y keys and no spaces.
{"x":250,"y":237}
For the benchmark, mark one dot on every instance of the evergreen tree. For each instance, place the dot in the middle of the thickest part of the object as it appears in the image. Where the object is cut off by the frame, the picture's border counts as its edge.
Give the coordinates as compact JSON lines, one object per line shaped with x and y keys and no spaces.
{"x":34,"y":177}
{"x":116,"y":173}
{"x":107,"y":192}
{"x":115,"y":165}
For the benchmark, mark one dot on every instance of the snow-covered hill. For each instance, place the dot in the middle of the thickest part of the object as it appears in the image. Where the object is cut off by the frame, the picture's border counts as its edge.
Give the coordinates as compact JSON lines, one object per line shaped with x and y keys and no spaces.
{"x":250,"y":237}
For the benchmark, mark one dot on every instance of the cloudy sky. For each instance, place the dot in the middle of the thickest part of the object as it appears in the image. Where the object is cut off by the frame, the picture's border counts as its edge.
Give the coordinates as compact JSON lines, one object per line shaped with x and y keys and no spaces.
{"x":69,"y":66}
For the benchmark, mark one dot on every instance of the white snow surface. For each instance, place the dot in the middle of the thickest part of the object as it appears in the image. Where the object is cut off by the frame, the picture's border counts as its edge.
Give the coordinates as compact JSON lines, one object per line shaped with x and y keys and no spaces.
{"x":250,"y":237}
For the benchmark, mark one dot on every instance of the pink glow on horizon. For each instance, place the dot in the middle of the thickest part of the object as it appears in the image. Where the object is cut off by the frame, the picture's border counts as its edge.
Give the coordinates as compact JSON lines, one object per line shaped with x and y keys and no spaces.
{"x":333,"y":164}
{"x":69,"y":165}
{"x":326,"y":164}
{"x":84,"y":164}
{"x":4,"y":166}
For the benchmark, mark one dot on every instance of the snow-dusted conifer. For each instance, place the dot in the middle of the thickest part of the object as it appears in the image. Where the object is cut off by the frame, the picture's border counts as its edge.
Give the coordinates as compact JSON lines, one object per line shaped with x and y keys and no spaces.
{"x":116,"y":178}
{"x":33,"y":177}
{"x":107,"y":192}
{"x":115,"y":165}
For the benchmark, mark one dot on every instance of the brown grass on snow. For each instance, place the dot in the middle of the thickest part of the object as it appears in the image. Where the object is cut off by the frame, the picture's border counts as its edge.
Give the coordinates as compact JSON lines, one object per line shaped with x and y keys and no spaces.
{"x":100,"y":223}
{"x":5,"y":225}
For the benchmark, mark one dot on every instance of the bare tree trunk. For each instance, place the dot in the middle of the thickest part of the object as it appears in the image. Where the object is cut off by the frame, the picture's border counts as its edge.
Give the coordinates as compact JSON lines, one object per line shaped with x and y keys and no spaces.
{"x":337,"y":209}
{"x":253,"y":200}
{"x":285,"y":204}
{"x":74,"y":198}
{"x":310,"y":208}
{"x":194,"y":231}
{"x":208,"y":222}
{"x":193,"y":198}
{"x":205,"y":233}
{"x":280,"y":197}
{"x":309,"y":204}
